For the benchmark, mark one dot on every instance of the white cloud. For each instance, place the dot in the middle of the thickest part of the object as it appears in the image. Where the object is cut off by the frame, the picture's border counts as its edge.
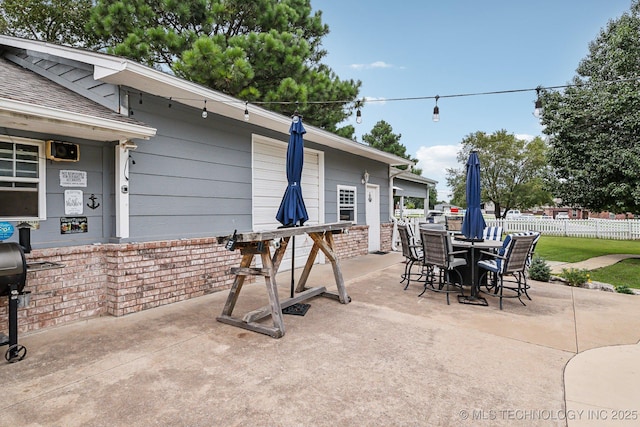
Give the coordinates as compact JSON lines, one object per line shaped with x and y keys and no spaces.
{"x":434,"y":162}
{"x":376,"y":64}
{"x":524,"y":136}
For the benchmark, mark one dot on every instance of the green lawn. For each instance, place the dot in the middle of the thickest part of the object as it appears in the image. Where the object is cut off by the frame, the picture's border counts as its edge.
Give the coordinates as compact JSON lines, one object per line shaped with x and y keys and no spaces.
{"x":623,"y":273}
{"x":574,"y":249}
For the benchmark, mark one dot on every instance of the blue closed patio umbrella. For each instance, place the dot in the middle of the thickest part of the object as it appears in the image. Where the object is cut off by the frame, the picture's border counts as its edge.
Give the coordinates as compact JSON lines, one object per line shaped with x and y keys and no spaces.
{"x":473,"y":224}
{"x":292,"y":210}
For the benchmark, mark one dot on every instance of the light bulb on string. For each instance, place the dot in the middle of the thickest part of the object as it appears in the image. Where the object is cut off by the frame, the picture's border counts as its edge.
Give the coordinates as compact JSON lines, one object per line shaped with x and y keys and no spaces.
{"x":537,"y":112}
{"x":436,"y":111}
{"x":358,"y":114}
{"x":204,"y":110}
{"x":246,"y":111}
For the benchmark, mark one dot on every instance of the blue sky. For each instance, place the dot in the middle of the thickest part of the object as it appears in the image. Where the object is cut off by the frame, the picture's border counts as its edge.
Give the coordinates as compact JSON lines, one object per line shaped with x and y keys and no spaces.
{"x":424,"y":48}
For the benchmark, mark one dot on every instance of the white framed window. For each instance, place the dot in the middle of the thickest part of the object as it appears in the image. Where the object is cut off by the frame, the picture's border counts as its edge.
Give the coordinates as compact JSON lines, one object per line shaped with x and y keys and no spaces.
{"x":22,"y":179}
{"x":347,"y":203}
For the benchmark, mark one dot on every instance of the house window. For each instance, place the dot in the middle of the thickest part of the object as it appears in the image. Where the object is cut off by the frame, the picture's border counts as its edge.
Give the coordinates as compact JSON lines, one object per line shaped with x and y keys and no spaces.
{"x":347,"y":203}
{"x":22,"y":182}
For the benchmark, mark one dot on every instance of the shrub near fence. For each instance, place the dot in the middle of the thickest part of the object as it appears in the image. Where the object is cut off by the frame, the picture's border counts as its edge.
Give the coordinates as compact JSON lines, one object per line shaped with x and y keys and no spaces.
{"x":616,"y":229}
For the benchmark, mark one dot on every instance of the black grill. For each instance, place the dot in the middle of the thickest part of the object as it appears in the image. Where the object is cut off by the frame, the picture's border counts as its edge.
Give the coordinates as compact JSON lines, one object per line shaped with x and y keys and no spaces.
{"x":13,"y":277}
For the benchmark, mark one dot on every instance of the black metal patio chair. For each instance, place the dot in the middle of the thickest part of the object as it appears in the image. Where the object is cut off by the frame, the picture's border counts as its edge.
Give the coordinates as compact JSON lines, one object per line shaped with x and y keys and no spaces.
{"x":440,"y":259}
{"x":411,"y":251}
{"x":507,"y":267}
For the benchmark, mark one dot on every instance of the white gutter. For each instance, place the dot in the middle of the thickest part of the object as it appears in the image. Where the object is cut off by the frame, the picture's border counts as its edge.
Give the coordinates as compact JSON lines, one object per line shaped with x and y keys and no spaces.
{"x":18,"y":110}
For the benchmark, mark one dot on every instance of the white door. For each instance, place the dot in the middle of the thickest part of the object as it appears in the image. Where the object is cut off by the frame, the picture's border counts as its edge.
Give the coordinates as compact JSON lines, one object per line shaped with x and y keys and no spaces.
{"x":372,"y":214}
{"x":269,"y":183}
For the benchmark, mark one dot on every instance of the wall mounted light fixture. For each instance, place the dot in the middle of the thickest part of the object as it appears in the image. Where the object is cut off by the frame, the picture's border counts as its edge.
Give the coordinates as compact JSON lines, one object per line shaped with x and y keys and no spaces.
{"x":365,"y":177}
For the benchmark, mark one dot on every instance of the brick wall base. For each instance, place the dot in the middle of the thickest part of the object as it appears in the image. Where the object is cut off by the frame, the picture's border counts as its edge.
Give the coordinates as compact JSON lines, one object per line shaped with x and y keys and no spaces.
{"x":118,"y":279}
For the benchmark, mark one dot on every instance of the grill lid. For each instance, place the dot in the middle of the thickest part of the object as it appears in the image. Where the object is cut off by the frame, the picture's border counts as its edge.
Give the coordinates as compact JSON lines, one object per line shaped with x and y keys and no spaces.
{"x":13,"y":267}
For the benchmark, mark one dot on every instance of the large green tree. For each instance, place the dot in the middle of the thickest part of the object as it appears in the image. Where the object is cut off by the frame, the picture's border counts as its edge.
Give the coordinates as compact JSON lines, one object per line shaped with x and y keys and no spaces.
{"x":512,"y":171}
{"x":383,"y":138}
{"x":261,"y":51}
{"x":594,"y":125}
{"x":60,"y":21}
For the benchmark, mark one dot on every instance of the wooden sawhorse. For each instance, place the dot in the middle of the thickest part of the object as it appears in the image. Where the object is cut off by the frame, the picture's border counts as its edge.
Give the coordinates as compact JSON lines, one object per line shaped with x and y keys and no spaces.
{"x":258,"y":243}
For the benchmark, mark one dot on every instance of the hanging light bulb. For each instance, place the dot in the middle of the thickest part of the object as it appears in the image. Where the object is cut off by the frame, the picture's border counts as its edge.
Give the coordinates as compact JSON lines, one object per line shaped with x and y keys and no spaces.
{"x":204,"y":110}
{"x":246,"y":111}
{"x":436,"y":110}
{"x":358,"y":114}
{"x":537,"y":112}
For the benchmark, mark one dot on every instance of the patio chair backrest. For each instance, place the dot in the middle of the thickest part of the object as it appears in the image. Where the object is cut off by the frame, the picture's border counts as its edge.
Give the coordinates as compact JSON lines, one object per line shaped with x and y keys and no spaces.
{"x":454,"y":223}
{"x":437,"y":247}
{"x":492,"y":233}
{"x":515,"y":250}
{"x":408,"y":248}
{"x":533,"y":246}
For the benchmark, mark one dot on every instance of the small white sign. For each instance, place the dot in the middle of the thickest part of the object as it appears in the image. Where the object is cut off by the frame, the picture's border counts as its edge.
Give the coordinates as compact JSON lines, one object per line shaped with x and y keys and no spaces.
{"x":73,"y":202}
{"x":73,"y":178}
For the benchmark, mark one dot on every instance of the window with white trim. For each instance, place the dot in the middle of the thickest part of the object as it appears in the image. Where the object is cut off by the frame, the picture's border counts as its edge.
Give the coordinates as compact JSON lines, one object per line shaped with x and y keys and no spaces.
{"x":22,"y":178}
{"x":347,"y":198}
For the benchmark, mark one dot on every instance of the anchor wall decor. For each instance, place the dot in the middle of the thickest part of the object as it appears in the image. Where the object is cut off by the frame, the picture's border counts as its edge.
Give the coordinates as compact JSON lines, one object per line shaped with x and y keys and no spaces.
{"x":93,"y":204}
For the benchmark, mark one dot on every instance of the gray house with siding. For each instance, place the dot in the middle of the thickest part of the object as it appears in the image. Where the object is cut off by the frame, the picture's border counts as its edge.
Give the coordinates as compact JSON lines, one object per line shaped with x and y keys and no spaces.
{"x":126,"y":185}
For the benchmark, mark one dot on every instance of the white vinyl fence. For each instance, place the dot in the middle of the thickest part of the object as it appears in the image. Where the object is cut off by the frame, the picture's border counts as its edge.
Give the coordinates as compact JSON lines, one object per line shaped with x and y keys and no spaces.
{"x":617,"y":229}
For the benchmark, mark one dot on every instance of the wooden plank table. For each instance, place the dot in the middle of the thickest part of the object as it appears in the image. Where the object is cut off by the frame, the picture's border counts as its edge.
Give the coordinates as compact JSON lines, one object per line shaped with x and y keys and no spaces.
{"x":258,"y":243}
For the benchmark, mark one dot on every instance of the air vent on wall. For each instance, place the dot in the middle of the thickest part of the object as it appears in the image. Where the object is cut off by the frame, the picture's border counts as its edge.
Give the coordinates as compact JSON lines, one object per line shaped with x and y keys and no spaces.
{"x":60,"y":151}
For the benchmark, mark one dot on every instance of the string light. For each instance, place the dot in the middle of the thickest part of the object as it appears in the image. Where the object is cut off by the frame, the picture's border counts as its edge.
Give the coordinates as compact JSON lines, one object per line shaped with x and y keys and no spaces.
{"x":436,"y":111}
{"x":537,"y":112}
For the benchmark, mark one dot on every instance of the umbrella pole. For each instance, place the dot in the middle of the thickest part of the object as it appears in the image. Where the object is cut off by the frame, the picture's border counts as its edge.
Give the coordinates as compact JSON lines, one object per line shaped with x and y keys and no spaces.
{"x":298,"y":309}
{"x":293,"y":263}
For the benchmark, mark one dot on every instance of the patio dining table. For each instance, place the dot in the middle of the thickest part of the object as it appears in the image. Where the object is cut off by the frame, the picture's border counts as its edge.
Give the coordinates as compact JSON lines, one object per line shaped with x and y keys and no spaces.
{"x":470,"y":272}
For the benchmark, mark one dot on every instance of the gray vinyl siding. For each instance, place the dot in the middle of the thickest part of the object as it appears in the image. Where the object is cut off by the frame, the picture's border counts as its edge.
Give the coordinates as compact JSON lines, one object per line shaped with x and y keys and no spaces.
{"x":101,"y":225}
{"x":410,"y":188}
{"x":347,"y":169}
{"x":192,"y":179}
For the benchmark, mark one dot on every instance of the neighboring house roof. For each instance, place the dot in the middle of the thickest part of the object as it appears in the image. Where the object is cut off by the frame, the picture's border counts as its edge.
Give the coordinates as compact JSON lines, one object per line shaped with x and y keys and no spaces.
{"x":31,"y":102}
{"x":124,"y":72}
{"x":408,"y":176}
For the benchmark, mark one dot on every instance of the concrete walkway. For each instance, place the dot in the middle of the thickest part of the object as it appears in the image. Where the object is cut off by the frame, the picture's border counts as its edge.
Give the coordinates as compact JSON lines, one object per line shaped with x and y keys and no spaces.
{"x":591,"y":263}
{"x":389,"y":358}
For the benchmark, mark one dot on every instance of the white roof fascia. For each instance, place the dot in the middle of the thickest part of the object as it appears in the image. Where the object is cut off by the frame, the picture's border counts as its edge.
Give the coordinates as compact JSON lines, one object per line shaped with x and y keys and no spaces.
{"x":185,"y":92}
{"x":120,"y":71}
{"x":408,"y":176}
{"x":116,"y":129}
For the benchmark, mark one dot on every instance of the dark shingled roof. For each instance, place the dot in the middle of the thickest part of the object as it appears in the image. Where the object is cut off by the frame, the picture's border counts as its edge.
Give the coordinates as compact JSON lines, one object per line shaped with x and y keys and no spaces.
{"x":20,"y":84}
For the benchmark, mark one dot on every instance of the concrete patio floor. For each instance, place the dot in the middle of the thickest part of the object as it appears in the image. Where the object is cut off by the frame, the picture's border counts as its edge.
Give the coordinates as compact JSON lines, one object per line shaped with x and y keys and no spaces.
{"x":389,"y":358}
